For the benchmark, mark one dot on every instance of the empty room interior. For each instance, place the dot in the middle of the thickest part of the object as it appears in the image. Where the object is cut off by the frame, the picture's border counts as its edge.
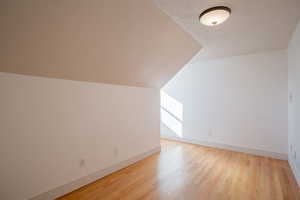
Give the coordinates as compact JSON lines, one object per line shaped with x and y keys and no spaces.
{"x":150,"y":100}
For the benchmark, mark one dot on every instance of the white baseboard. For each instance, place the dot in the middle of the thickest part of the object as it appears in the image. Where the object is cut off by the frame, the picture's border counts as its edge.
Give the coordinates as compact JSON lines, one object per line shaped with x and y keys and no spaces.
{"x":259,"y":152}
{"x":67,"y":188}
{"x":295,"y":170}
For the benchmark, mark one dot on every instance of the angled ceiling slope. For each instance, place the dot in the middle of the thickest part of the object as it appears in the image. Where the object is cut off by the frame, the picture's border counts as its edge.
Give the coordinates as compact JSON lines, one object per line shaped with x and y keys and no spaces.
{"x":128,"y":42}
{"x":254,"y":25}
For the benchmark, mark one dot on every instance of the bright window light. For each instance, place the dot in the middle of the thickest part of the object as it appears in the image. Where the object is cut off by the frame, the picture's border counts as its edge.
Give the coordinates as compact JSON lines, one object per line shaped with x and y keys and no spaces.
{"x":171,"y":113}
{"x":171,"y":105}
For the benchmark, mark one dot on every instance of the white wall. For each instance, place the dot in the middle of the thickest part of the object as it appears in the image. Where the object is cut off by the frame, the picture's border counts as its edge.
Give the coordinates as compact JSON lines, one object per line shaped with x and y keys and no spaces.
{"x":239,"y":101}
{"x":294,"y":103}
{"x":48,"y":125}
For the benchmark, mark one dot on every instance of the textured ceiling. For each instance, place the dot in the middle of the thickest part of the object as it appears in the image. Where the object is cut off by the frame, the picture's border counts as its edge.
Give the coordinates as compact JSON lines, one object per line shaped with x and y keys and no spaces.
{"x":254,"y":26}
{"x":128,"y":42}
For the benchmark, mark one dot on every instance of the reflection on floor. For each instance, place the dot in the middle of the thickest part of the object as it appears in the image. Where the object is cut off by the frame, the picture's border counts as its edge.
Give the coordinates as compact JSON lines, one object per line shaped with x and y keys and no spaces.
{"x":190,"y":172}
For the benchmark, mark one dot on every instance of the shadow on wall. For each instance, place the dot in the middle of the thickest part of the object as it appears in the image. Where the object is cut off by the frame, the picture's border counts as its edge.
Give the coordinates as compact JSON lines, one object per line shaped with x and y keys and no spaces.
{"x":171,"y":114}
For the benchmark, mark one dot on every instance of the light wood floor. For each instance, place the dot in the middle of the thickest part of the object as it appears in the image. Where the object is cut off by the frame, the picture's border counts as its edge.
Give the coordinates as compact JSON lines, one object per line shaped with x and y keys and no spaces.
{"x":190,"y":172}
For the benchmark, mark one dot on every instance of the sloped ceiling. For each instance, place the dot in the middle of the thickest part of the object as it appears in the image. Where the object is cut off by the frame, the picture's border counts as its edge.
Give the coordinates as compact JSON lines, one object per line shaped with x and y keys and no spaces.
{"x":254,"y":25}
{"x":128,"y":42}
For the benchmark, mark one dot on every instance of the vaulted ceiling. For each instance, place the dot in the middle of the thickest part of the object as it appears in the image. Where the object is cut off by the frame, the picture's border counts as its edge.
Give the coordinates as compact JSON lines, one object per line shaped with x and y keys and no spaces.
{"x":128,"y":42}
{"x":254,"y":25}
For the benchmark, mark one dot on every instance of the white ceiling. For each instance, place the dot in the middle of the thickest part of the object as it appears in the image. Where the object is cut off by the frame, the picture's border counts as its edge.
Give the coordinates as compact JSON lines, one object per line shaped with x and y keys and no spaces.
{"x":128,"y":42}
{"x":254,"y":26}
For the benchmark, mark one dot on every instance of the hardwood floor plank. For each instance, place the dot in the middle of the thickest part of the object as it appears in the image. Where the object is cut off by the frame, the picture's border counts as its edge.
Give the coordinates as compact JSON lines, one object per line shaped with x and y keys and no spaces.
{"x":192,"y":172}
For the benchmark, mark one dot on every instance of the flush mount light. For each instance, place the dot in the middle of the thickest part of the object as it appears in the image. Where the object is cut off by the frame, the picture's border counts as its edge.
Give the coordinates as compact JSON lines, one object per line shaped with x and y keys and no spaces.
{"x":215,"y":15}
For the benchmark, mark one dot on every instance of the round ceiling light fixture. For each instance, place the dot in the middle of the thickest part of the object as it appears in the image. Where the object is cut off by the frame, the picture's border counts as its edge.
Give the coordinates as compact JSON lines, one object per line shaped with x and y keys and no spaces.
{"x":215,"y":15}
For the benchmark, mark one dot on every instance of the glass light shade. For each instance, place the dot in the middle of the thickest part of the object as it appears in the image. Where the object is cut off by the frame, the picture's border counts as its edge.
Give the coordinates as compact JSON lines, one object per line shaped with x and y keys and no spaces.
{"x":214,"y":16}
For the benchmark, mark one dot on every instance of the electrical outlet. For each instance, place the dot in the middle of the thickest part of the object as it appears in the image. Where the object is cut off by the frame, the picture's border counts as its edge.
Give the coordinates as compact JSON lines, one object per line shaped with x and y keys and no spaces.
{"x":81,"y":163}
{"x":291,"y":96}
{"x":295,"y":155}
{"x":210,"y":133}
{"x":116,"y":152}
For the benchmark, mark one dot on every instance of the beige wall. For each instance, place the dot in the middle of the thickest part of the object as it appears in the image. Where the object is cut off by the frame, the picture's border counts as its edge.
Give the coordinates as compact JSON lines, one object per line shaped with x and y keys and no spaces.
{"x":294,"y":102}
{"x":238,"y":101}
{"x":49,"y":125}
{"x":129,"y":42}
